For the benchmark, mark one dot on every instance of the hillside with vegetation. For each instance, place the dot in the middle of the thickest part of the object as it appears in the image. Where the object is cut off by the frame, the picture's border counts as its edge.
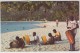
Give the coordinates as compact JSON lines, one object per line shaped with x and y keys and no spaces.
{"x":39,"y":10}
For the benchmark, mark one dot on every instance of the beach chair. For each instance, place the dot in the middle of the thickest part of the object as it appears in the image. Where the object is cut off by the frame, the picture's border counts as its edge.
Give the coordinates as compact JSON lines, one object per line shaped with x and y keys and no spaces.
{"x":26,"y":38}
{"x":44,"y":40}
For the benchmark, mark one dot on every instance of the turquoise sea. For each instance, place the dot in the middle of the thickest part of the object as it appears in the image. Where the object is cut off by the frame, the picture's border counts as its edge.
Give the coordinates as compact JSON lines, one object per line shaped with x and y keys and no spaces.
{"x":17,"y":26}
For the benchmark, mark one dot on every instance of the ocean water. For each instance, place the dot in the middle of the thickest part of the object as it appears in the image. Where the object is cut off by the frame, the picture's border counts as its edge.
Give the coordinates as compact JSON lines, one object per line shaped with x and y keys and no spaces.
{"x":17,"y":26}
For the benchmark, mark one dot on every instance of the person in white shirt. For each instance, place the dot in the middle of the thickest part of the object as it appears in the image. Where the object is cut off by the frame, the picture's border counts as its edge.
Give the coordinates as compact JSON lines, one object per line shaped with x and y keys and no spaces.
{"x":36,"y":38}
{"x":73,"y":28}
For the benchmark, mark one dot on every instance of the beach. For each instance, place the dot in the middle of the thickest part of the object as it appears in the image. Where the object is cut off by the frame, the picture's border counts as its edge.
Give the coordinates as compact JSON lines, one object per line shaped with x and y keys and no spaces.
{"x":63,"y":45}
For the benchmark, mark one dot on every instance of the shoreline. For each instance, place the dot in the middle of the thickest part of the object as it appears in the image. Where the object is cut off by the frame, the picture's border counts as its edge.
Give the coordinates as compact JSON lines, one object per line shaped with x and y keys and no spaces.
{"x":21,"y":21}
{"x":41,"y":25}
{"x":31,"y":21}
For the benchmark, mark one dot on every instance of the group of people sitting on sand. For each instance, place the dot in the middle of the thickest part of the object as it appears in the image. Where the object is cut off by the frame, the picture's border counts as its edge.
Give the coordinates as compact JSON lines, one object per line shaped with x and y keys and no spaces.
{"x":20,"y":42}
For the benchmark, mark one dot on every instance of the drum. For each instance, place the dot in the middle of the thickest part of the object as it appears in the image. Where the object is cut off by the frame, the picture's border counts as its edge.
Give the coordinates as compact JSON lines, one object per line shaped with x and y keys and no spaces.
{"x":69,"y":37}
{"x":27,"y":39}
{"x":44,"y":39}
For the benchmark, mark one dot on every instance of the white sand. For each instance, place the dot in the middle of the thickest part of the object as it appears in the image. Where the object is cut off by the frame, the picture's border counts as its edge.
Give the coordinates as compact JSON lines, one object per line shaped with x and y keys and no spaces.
{"x":6,"y":38}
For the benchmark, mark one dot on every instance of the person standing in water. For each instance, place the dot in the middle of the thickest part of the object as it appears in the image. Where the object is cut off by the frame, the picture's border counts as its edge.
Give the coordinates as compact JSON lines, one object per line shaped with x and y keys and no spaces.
{"x":57,"y":22}
{"x":72,"y":26}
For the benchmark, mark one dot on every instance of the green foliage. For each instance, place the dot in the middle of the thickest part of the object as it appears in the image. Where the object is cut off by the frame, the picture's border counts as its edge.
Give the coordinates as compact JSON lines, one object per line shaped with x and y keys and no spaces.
{"x":38,"y":10}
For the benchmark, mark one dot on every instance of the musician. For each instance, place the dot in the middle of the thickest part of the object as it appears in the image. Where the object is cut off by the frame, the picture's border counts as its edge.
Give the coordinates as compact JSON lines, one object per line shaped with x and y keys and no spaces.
{"x":72,"y":26}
